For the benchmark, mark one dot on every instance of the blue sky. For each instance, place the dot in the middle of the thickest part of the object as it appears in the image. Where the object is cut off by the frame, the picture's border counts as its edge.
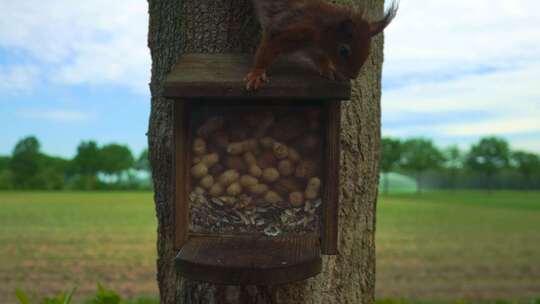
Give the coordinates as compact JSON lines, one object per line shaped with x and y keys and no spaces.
{"x":455,"y":70}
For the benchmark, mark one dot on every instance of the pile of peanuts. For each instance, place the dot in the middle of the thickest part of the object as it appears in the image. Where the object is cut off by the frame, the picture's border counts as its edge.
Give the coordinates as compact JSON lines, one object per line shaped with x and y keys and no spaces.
{"x":274,"y":161}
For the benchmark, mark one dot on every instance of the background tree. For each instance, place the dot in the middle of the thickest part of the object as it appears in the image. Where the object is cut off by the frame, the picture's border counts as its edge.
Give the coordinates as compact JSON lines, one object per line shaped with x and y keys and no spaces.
{"x":142,"y":163}
{"x":4,"y":162}
{"x":526,"y":164}
{"x":115,"y":159}
{"x":419,"y":155}
{"x":53,"y":171}
{"x":87,"y":161}
{"x":390,"y":158}
{"x":228,"y":26}
{"x":488,"y":157}
{"x":85,"y":166}
{"x":6,"y":178}
{"x":25,"y":162}
{"x":453,"y":162}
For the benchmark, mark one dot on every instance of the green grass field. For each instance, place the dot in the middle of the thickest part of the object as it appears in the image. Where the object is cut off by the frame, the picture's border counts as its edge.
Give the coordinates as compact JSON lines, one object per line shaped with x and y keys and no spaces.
{"x":469,"y":245}
{"x":436,"y":246}
{"x":53,"y":241}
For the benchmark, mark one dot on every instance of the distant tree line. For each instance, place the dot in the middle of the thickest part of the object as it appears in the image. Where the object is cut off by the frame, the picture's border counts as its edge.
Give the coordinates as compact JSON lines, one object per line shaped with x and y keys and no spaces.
{"x":110,"y":166}
{"x":488,"y":164}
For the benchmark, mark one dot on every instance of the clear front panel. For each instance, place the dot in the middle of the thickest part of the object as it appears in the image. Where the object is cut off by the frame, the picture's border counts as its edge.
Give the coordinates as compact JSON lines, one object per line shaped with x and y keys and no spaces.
{"x":255,"y":169}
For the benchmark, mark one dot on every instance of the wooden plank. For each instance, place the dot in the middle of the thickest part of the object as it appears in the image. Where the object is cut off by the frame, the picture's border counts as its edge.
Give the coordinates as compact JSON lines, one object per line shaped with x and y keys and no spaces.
{"x":330,"y":195}
{"x":188,"y":139}
{"x":221,"y":77}
{"x":249,"y":261}
{"x":180,"y":182}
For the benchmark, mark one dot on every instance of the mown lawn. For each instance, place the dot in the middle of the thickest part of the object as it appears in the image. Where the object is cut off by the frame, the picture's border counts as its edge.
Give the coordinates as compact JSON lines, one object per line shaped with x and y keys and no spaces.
{"x":52,"y":241}
{"x":470,"y":245}
{"x":432,"y":247}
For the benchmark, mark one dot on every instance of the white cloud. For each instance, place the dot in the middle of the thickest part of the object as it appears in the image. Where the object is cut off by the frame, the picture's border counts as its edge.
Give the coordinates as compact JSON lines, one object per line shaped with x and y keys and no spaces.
{"x":504,"y":126}
{"x":499,"y":92}
{"x":469,"y":67}
{"x":81,"y":42}
{"x":57,"y":115}
{"x":437,"y":36}
{"x":17,"y":78}
{"x":503,"y":103}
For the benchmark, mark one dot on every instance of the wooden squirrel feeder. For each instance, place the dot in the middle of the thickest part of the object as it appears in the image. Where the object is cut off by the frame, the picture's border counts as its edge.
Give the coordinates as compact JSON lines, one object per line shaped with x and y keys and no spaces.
{"x":255,"y":172}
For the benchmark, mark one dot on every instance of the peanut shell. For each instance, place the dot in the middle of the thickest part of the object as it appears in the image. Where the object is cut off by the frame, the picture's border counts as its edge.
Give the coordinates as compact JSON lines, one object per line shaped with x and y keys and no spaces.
{"x":296,"y":199}
{"x":285,"y":167}
{"x":199,"y":146}
{"x":199,"y":170}
{"x":258,"y":189}
{"x":272,"y":197}
{"x":255,"y":171}
{"x":216,"y":190}
{"x":249,"y":158}
{"x":210,"y":159}
{"x":313,"y":187}
{"x":248,"y":180}
{"x":291,"y":184}
{"x":228,"y":177}
{"x":306,"y":169}
{"x":207,"y":182}
{"x":270,"y":175}
{"x":236,"y":148}
{"x":234,"y":189}
{"x":280,"y":150}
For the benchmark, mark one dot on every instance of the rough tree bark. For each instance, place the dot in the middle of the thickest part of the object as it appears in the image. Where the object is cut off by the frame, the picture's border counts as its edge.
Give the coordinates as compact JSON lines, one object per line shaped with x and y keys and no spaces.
{"x":209,"y":26}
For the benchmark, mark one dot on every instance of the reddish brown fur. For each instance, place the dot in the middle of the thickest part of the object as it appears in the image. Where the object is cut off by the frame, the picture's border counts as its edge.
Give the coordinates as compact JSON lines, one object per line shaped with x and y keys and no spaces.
{"x":336,"y":38}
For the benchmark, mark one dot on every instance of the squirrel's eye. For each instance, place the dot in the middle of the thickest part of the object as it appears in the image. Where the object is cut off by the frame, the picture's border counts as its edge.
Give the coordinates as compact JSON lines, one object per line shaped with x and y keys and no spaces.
{"x":344,"y":51}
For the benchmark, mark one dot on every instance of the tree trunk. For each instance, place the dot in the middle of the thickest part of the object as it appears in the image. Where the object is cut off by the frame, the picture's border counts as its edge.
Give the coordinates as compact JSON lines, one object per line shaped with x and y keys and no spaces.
{"x":208,"y":26}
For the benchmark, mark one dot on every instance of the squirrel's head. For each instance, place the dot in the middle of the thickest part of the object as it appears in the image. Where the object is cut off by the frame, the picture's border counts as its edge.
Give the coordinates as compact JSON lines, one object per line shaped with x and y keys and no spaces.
{"x":351,"y":37}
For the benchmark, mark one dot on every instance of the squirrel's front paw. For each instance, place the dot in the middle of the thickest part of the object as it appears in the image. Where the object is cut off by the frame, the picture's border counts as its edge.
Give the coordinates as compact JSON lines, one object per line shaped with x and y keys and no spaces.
{"x":328,"y":71}
{"x":255,"y":79}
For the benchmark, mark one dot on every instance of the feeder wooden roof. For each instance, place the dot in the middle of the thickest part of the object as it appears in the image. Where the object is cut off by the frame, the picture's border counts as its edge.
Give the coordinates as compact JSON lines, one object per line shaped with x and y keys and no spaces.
{"x":221,"y":76}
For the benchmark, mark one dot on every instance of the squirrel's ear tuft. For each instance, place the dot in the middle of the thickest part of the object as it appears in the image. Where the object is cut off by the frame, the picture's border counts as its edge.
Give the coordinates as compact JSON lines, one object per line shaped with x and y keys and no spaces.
{"x":378,"y":26}
{"x":346,"y":27}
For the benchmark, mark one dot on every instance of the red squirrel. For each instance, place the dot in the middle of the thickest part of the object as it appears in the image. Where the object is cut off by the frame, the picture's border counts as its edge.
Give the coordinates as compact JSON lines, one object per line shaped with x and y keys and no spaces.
{"x":336,"y":38}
